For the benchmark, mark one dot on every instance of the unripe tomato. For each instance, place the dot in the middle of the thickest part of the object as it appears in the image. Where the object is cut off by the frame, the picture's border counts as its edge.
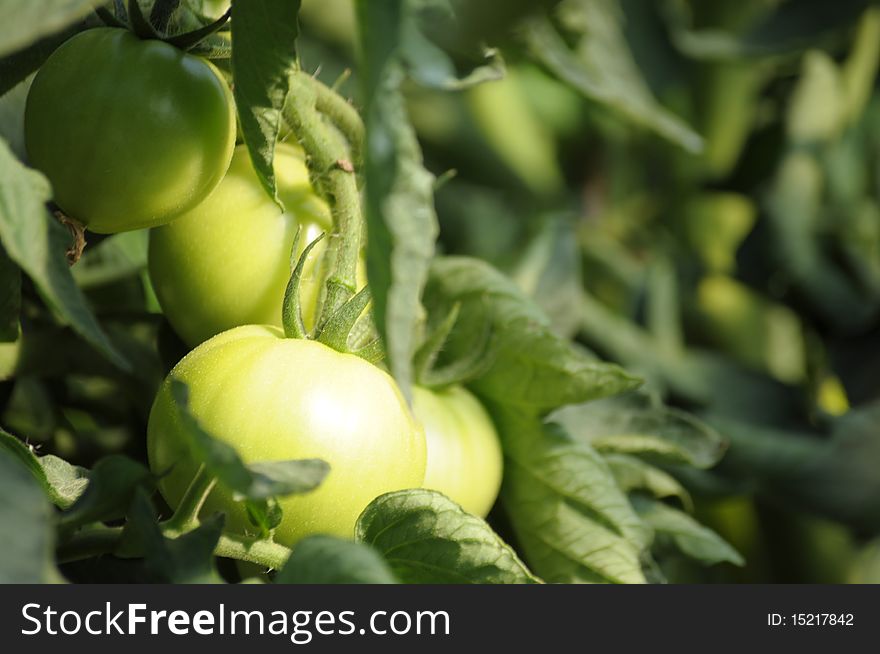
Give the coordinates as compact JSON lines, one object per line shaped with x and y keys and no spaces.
{"x":274,"y":398}
{"x":130,"y":133}
{"x":226,"y":262}
{"x":464,"y":452}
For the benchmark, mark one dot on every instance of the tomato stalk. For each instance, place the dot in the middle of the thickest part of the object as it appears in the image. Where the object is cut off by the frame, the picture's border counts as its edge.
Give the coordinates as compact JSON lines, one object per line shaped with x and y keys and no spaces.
{"x":186,"y":516}
{"x":333,"y":176}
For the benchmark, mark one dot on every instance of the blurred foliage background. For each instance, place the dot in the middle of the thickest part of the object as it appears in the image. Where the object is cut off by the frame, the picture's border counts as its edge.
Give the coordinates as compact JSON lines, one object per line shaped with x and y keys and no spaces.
{"x":690,"y":188}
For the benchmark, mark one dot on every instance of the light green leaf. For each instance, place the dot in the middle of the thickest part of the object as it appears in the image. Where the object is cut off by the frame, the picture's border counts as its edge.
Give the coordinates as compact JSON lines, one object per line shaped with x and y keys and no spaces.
{"x":399,"y":192}
{"x":637,"y":424}
{"x":22,"y":23}
{"x":574,"y":523}
{"x":527,"y":364}
{"x":427,"y":538}
{"x":633,"y":474}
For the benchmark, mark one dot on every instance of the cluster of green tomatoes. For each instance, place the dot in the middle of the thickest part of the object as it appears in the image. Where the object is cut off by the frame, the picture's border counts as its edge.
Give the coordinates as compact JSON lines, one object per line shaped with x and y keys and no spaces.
{"x":138,"y":134}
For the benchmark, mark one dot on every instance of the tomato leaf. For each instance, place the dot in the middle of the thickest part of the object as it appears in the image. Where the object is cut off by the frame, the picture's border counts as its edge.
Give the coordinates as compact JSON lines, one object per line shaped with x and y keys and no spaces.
{"x":633,"y":474}
{"x":423,"y":26}
{"x":263,"y":56}
{"x":572,"y":520}
{"x":113,"y":483}
{"x":329,"y":560}
{"x":25,"y":22}
{"x":187,"y":559}
{"x":256,"y":481}
{"x":531,"y":366}
{"x":637,"y":424}
{"x":601,"y":66}
{"x":63,"y":483}
{"x":685,"y":533}
{"x":37,"y":243}
{"x":427,"y":538}
{"x":399,"y":204}
{"x":26,"y":538}
{"x":66,"y":482}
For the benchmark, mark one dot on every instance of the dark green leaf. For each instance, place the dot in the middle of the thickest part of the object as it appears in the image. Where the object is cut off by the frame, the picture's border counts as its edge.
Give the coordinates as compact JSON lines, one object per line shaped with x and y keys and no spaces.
{"x":10,"y":299}
{"x":399,"y":203}
{"x":688,"y":535}
{"x":264,"y":34}
{"x":427,"y":62}
{"x":531,"y":366}
{"x":26,"y":537}
{"x":427,"y":538}
{"x":573,"y":521}
{"x":187,"y":559}
{"x":112,"y":484}
{"x":37,"y":243}
{"x":330,"y":560}
{"x":600,"y":65}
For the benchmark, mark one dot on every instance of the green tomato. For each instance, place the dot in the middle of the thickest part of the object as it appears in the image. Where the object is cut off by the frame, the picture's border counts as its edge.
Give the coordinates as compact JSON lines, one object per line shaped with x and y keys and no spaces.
{"x":130,"y":133}
{"x":464,"y":452}
{"x":226,"y":262}
{"x":274,"y":398}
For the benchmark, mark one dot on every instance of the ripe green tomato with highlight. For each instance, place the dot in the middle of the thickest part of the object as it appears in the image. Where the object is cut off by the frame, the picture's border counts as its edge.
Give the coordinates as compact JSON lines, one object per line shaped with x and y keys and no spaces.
{"x":274,"y":398}
{"x":465,"y":462}
{"x":130,"y":133}
{"x":226,"y":262}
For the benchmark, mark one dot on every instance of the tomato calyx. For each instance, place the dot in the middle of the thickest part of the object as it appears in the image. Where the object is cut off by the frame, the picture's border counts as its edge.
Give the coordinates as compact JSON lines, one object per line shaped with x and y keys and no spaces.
{"x":154,"y":27}
{"x":340,"y":327}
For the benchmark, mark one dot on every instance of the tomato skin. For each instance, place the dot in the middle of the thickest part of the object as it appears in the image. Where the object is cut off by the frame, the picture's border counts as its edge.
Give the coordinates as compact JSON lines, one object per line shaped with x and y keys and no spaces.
{"x":274,"y":398}
{"x":130,"y":133}
{"x":465,"y":461}
{"x":226,"y":262}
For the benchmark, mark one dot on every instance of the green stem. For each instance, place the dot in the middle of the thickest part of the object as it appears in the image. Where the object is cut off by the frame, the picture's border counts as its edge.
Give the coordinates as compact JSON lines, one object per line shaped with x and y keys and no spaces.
{"x":96,"y":541}
{"x":341,"y":113}
{"x":333,"y":175}
{"x":186,"y":517}
{"x":262,"y":552}
{"x":89,"y":542}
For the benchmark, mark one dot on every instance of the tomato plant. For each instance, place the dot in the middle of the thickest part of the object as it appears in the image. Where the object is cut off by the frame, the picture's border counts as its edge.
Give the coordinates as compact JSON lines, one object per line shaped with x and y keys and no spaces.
{"x":464,"y":452}
{"x":274,"y":398}
{"x":623,"y":281}
{"x":130,"y":133}
{"x":226,"y":262}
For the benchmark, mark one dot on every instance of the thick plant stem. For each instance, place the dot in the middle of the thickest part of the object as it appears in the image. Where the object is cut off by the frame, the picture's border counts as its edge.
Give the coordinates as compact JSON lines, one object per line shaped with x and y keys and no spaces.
{"x":332,"y":173}
{"x":186,"y":517}
{"x":89,"y":542}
